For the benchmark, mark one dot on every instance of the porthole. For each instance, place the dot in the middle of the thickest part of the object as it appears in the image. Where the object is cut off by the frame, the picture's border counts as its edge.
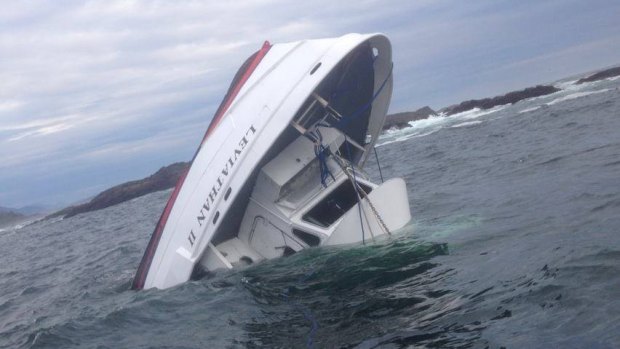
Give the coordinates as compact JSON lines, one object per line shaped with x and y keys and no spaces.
{"x":316,"y":67}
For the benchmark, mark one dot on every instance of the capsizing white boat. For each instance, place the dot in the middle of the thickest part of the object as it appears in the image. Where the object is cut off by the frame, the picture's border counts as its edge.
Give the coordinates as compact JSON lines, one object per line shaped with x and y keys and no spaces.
{"x":280,"y":168}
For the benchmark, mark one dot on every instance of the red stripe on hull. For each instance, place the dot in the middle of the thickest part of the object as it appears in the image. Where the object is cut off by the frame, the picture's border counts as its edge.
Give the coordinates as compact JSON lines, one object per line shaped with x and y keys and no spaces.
{"x":218,"y":117}
{"x":147,"y":258}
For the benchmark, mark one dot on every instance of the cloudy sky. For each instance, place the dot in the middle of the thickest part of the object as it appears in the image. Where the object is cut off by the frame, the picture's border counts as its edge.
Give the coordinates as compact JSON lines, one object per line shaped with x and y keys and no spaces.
{"x":95,"y":93}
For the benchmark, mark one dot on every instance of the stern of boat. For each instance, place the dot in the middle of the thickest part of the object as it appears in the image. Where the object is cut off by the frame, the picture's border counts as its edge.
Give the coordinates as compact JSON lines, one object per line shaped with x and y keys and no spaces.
{"x":383,"y":211}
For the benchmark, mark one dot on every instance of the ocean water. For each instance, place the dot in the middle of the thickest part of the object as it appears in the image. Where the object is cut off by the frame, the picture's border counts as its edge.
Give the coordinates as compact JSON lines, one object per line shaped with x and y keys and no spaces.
{"x":515,"y":243}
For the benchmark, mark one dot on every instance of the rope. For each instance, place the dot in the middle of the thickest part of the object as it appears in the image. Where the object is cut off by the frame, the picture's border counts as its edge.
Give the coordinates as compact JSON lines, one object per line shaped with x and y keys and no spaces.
{"x":378,"y":164}
{"x":321,"y":152}
{"x":376,"y":214}
{"x":359,"y":189}
{"x":359,"y":199}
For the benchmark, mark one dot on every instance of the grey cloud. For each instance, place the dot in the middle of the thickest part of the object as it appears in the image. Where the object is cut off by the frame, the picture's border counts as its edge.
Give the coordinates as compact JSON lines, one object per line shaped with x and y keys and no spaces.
{"x":93,"y":85}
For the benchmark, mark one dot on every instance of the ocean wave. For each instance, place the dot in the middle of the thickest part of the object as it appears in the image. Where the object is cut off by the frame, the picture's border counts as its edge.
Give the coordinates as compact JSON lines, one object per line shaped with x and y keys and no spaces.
{"x":574,"y":86}
{"x":530,"y":109}
{"x":467,"y":123}
{"x":571,"y":86}
{"x":421,"y":128}
{"x":565,"y":85}
{"x":477,"y":112}
{"x":418,"y":128}
{"x":405,"y":137}
{"x":431,"y":121}
{"x":576,"y":95}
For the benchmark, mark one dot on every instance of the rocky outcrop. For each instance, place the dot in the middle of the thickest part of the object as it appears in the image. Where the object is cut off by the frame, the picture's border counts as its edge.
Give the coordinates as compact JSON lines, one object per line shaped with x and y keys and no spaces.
{"x":401,"y":120}
{"x":165,"y":178}
{"x":604,"y":74}
{"x":8,"y":218}
{"x":509,"y":98}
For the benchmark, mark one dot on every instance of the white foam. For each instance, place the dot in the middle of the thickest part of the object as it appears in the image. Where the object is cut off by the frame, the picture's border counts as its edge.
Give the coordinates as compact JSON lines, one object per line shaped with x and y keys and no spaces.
{"x":477,"y":112}
{"x":421,"y":128}
{"x":431,"y":121}
{"x":467,"y":123}
{"x":566,"y":85}
{"x":575,"y":96}
{"x":405,"y":137}
{"x":530,"y":109}
{"x":574,"y":86}
{"x":21,"y":225}
{"x":381,"y":142}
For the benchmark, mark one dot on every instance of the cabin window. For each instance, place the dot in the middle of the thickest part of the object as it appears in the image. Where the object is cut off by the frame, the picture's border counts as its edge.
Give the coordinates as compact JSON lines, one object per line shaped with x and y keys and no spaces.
{"x":217,"y":215}
{"x":334,"y":205}
{"x":227,"y":194}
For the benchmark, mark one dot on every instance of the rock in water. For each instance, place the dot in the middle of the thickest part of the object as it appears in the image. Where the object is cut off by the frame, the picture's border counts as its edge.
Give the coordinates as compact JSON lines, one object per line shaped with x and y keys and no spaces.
{"x":604,"y":74}
{"x":401,"y":120}
{"x":509,"y":98}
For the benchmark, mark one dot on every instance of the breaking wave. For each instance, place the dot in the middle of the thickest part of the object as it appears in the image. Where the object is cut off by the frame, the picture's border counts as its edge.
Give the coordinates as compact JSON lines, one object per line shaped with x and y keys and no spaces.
{"x":527,"y":110}
{"x":467,"y":123}
{"x":576,"y":95}
{"x":433,"y":124}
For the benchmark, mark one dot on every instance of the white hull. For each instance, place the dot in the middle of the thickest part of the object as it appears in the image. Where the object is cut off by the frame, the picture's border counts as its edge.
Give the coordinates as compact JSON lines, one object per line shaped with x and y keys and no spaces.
{"x":236,"y":205}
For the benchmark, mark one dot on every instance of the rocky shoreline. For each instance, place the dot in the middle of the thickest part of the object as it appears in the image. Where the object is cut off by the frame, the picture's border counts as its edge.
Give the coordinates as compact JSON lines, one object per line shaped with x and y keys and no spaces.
{"x":508,"y":98}
{"x":401,"y":120}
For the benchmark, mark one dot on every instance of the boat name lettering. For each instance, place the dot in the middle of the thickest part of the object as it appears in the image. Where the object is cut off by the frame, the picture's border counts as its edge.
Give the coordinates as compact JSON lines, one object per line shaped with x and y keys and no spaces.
{"x":220,"y":181}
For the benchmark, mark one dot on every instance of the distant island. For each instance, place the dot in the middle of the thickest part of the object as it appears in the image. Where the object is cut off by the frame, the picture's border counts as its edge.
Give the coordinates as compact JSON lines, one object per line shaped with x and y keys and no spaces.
{"x":10,"y":217}
{"x":402,"y":120}
{"x":166,"y":177}
{"x":603,"y":74}
{"x":508,"y":98}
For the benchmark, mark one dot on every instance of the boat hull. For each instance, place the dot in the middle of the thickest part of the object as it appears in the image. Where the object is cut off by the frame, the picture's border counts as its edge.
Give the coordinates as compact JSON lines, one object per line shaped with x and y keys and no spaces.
{"x":214,"y":195}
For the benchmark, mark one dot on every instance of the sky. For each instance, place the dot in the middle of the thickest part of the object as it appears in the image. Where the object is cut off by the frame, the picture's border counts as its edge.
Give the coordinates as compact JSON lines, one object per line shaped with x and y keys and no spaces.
{"x":96,"y":93}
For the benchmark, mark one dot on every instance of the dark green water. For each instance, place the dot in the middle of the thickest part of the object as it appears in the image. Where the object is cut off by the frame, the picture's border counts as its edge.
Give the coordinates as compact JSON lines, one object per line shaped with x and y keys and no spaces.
{"x":515,"y":243}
